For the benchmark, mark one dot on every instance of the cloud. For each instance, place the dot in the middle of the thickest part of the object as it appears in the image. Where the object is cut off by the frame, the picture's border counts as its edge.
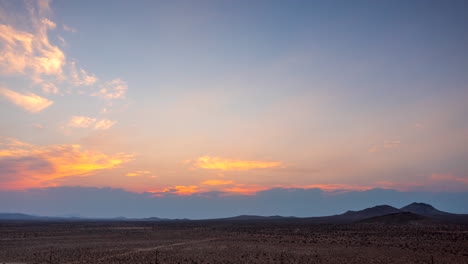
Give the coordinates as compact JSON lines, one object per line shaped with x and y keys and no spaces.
{"x":435,"y":183}
{"x":207,"y":162}
{"x":24,"y":52}
{"x":30,"y":102}
{"x":28,"y":51}
{"x":80,"y":77}
{"x":178,"y":190}
{"x":138,"y":173}
{"x":217,"y":182}
{"x":84,"y":122}
{"x":81,"y":121}
{"x":38,"y":126}
{"x":388,"y":144}
{"x":49,"y":23}
{"x":68,"y":28}
{"x":24,"y":165}
{"x":104,"y":124}
{"x":114,"y":89}
{"x":31,"y":53}
{"x":448,"y":177}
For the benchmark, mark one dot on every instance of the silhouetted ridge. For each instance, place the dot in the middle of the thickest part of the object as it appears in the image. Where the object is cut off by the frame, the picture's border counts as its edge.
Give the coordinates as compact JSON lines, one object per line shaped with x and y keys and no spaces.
{"x":371,"y":212}
{"x":397,"y":219}
{"x":255,"y":217}
{"x":423,"y":209}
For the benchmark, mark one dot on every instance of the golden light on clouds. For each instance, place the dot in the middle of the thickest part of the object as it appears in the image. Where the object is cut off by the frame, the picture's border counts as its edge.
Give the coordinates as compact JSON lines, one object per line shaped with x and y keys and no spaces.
{"x":137,"y":173}
{"x":27,"y":165}
{"x":28,"y":51}
{"x":217,"y":182}
{"x":80,"y":76}
{"x":207,"y":162}
{"x":104,"y":124}
{"x":179,"y":190}
{"x":84,"y":121}
{"x":30,"y":102}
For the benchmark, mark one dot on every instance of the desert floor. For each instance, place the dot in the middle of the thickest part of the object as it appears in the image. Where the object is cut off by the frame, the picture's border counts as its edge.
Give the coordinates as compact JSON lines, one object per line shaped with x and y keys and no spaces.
{"x":230,"y":242}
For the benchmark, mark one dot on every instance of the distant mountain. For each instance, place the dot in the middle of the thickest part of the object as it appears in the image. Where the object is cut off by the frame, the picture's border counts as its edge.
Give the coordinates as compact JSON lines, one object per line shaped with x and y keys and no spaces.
{"x":16,"y":216}
{"x":381,"y":213}
{"x":255,"y":217}
{"x":423,"y":209}
{"x":398,"y":219}
{"x":370,"y":212}
{"x":431,"y":212}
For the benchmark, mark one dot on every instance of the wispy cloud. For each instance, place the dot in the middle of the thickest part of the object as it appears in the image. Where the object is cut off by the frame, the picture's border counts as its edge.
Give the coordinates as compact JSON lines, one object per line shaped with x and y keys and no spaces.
{"x":68,"y":28}
{"x":114,"y":89}
{"x":80,"y":77}
{"x":25,"y":165}
{"x":448,"y":177}
{"x":104,"y":124}
{"x":388,"y":144}
{"x":84,"y":122}
{"x":31,"y":53}
{"x":81,"y":121}
{"x":30,"y":102}
{"x":138,"y":173}
{"x":28,"y":51}
{"x":38,"y":126}
{"x":207,"y":162}
{"x":434,"y":182}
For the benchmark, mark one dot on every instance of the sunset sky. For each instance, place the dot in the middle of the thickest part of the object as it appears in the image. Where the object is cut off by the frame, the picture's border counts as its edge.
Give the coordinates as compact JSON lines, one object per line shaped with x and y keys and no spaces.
{"x":189,"y":98}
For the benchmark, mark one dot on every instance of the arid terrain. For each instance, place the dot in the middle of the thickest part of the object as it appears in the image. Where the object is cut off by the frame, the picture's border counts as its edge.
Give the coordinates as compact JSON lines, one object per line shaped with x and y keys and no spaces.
{"x":224,"y":241}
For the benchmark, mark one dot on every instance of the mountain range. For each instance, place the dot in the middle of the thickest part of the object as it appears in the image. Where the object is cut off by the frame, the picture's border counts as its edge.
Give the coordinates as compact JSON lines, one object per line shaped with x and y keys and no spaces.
{"x":415,"y":212}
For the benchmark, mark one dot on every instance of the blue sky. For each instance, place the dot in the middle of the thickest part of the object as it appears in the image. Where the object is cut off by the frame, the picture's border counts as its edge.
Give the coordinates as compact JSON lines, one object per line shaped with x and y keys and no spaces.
{"x":185,"y":97}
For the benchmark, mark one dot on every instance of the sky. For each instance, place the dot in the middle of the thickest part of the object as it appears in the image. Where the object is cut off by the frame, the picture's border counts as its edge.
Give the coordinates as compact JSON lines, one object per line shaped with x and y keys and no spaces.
{"x":243,"y":106}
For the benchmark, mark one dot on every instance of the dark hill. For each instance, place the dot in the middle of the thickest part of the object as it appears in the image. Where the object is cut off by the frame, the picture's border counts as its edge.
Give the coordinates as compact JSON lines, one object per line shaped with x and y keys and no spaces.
{"x":255,"y":217}
{"x":397,"y":219}
{"x":370,"y":212}
{"x":423,"y":209}
{"x":17,"y":216}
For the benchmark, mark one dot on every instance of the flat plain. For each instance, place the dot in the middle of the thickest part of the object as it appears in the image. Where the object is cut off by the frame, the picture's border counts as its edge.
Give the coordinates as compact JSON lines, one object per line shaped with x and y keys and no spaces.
{"x":242,"y":241}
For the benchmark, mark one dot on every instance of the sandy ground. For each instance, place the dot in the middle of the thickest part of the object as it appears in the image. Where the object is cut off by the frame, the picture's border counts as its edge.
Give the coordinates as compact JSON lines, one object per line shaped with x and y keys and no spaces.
{"x":231,"y":242}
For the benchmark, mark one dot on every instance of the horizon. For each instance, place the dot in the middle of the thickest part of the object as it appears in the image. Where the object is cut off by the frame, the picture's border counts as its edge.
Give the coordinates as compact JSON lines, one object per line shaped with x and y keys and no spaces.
{"x":180,"y":109}
{"x":77,"y":216}
{"x":94,"y":202}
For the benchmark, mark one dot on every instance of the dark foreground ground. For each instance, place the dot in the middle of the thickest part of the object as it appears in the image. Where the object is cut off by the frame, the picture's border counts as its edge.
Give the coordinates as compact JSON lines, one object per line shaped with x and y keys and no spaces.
{"x":231,"y":242}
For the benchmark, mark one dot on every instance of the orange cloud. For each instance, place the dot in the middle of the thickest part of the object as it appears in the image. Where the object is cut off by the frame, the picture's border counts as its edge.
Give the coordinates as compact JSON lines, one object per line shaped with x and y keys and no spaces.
{"x":448,"y":177}
{"x":217,"y":182}
{"x":84,"y":121}
{"x":80,"y":76}
{"x":24,"y":51}
{"x":436,"y":182}
{"x":179,"y":190}
{"x":207,"y":162}
{"x":81,"y":121}
{"x":30,"y":102}
{"x":104,"y":124}
{"x":24,"y":165}
{"x":332,"y":187}
{"x":138,"y":173}
{"x":29,"y":52}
